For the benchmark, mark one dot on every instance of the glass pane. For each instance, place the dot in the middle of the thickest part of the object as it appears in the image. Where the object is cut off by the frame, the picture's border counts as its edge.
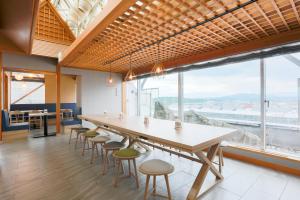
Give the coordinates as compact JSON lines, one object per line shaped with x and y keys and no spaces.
{"x":24,"y":92}
{"x":226,"y":96}
{"x":159,"y":97}
{"x":282,"y":95}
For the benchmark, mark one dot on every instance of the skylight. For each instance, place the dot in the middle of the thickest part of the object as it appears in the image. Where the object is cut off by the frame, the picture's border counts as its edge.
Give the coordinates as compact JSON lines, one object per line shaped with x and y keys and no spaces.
{"x":78,"y":13}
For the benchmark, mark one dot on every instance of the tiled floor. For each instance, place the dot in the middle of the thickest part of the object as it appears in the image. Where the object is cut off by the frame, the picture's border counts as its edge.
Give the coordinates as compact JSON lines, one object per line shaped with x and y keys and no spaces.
{"x":50,"y":168}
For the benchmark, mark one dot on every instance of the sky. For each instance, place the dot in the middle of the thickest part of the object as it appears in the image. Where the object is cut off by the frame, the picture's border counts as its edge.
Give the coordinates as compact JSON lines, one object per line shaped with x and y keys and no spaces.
{"x":239,"y":78}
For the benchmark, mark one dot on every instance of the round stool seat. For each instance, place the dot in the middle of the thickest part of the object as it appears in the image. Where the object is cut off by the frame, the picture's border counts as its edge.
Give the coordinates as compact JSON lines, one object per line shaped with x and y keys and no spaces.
{"x":127,"y":153}
{"x":100,"y":139}
{"x":80,"y":129}
{"x":156,"y":167}
{"x":90,"y":134}
{"x":113,"y":145}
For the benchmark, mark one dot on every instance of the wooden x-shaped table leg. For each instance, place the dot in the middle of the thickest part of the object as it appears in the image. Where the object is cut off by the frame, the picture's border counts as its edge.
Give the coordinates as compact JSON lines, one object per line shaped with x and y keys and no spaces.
{"x":207,"y":165}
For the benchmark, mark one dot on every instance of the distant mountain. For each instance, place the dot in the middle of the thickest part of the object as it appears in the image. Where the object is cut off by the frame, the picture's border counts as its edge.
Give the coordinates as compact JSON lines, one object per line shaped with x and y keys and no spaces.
{"x":235,"y":97}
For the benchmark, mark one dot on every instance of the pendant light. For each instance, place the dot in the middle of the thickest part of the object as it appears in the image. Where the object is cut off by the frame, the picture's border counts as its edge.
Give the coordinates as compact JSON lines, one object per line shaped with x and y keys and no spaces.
{"x":130,"y":74}
{"x":110,"y":80}
{"x":19,"y":76}
{"x":158,"y":68}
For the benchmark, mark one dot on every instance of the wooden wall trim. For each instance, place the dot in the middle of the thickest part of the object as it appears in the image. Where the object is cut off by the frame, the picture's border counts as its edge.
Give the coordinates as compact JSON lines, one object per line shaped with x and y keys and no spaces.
{"x":5,"y":95}
{"x":1,"y":74}
{"x":35,"y":11}
{"x":262,"y":163}
{"x":58,"y":77}
{"x":16,"y":69}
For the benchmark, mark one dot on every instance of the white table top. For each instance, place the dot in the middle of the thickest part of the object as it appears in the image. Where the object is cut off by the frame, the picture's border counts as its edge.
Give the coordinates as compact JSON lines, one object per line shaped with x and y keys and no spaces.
{"x":191,"y":137}
{"x":37,"y":114}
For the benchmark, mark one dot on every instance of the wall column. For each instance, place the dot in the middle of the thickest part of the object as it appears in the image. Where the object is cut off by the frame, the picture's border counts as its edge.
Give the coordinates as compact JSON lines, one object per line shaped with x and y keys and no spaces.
{"x":58,"y":76}
{"x":1,"y":96}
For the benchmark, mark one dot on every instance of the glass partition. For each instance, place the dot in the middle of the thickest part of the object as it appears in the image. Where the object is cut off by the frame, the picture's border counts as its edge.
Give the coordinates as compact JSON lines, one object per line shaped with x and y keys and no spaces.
{"x":159,"y":97}
{"x":282,"y":104}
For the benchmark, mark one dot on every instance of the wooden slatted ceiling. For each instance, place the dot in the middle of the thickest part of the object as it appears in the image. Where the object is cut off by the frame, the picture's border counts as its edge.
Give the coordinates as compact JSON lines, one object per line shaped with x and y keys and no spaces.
{"x":50,"y":26}
{"x":255,"y":25}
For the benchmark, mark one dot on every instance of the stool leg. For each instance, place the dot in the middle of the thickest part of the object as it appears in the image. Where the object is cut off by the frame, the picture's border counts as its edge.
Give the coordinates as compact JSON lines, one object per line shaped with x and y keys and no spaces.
{"x":118,"y":161}
{"x":77,"y":137}
{"x":154,"y":185}
{"x":168,"y":186}
{"x":129,"y":168}
{"x":84,"y":141}
{"x":105,"y":162}
{"x":102,"y":151}
{"x":70,"y":136}
{"x":93,"y":149}
{"x":136,"y":174}
{"x":97,"y":149}
{"x":146,"y":188}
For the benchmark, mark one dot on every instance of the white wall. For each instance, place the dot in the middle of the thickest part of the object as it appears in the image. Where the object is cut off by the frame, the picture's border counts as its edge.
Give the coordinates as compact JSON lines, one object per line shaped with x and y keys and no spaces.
{"x":29,"y":62}
{"x":96,"y":95}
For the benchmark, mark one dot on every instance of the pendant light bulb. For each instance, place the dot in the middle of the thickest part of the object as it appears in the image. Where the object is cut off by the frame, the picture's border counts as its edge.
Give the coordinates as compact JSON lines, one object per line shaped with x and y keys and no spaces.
{"x":110,"y":80}
{"x":130,"y":74}
{"x":158,"y":68}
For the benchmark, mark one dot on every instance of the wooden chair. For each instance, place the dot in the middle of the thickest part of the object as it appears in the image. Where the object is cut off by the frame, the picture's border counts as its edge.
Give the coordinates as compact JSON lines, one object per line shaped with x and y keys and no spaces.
{"x":128,"y":154}
{"x":155,"y":168}
{"x":95,"y":141}
{"x":110,"y":147}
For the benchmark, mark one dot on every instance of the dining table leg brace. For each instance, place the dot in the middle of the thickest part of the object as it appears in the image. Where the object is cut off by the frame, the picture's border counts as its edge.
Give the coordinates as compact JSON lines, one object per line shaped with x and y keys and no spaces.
{"x":207,"y":166}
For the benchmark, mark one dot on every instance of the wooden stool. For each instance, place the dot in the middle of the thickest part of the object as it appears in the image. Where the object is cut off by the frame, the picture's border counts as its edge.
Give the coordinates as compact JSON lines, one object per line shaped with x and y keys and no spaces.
{"x":128,"y":154}
{"x":86,"y":135}
{"x":95,"y":141}
{"x":78,"y":136}
{"x":155,"y":168}
{"x":110,"y":146}
{"x":77,"y":129}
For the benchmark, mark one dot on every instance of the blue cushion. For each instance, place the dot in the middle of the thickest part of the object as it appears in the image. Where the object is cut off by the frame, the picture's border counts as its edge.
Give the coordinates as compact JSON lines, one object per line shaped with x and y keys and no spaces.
{"x":14,"y":127}
{"x":51,"y":107}
{"x":70,"y":122}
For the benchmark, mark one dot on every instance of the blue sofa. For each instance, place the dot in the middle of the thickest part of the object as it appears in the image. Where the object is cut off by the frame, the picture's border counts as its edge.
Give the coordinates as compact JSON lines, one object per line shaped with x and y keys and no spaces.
{"x":14,"y":127}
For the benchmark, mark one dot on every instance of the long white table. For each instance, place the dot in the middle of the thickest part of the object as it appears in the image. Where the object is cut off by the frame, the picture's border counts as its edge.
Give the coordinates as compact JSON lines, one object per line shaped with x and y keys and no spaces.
{"x":192,"y":138}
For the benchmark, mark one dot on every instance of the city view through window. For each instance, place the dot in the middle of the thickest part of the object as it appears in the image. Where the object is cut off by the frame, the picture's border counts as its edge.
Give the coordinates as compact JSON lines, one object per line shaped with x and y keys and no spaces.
{"x":230,"y":96}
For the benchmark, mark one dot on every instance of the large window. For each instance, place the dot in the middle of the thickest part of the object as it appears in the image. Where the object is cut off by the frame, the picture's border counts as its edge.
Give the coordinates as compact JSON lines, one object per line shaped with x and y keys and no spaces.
{"x":27,"y":88}
{"x":227,"y":96}
{"x":258,"y":98}
{"x":283,"y":98}
{"x":159,"y":97}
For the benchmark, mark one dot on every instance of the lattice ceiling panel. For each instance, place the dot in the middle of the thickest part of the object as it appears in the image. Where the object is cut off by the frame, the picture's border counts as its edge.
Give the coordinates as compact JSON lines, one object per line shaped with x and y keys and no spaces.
{"x":50,"y":26}
{"x":198,"y":26}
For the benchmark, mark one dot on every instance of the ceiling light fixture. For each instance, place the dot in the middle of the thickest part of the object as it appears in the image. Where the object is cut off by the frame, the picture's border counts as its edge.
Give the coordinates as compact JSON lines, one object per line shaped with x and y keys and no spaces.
{"x":19,"y":77}
{"x":130,"y":74}
{"x":158,"y":68}
{"x":110,"y":80}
